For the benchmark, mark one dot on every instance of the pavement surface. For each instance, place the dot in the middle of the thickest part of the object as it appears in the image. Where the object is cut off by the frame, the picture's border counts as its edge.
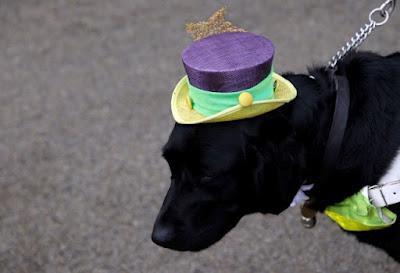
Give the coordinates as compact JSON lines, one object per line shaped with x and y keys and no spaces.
{"x":84,"y":110}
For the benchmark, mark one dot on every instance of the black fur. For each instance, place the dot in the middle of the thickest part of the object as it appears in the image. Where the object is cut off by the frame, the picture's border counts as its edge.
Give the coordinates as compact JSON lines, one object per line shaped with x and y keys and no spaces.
{"x":223,"y":171}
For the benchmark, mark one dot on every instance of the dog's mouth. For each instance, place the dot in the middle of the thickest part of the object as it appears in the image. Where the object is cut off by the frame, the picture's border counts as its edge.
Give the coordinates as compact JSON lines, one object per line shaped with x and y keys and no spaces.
{"x":181,"y":242}
{"x":193,"y":245}
{"x":167,"y":236}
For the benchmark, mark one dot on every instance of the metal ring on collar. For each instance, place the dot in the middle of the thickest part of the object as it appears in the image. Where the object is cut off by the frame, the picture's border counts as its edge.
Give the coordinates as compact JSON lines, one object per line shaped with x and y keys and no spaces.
{"x":379,"y":11}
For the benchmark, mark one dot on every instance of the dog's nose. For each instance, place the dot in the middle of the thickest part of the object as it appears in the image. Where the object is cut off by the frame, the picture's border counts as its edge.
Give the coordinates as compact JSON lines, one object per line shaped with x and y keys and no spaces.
{"x":163,"y":235}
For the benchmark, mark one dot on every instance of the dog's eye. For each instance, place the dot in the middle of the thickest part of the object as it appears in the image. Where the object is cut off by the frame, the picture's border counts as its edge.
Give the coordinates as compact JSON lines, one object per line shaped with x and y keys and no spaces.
{"x":206,"y":180}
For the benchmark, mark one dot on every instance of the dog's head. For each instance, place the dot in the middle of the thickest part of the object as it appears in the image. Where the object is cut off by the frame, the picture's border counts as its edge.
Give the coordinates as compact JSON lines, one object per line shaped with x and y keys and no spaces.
{"x":223,"y":171}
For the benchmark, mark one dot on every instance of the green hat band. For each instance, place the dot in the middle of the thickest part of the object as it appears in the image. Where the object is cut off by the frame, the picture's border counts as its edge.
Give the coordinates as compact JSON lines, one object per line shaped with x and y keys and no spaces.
{"x":209,"y":103}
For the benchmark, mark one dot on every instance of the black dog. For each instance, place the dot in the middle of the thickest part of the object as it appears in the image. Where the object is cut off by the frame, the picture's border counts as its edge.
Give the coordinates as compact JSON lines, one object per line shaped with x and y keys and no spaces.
{"x":223,"y":171}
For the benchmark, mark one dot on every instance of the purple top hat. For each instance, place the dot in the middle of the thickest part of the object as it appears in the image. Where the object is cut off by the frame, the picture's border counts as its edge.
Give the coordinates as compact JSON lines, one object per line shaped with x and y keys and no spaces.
{"x":228,"y":62}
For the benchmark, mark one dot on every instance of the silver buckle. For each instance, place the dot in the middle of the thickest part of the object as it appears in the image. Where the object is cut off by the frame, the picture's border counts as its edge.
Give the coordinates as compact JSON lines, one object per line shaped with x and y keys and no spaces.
{"x":379,"y":187}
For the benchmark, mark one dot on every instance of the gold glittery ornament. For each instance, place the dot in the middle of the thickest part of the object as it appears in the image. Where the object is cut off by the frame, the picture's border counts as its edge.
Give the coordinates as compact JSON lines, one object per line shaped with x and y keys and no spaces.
{"x":214,"y":25}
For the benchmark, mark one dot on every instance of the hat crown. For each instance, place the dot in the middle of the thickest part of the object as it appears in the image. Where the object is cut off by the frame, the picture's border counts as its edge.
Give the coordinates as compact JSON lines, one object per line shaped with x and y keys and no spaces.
{"x":228,"y":62}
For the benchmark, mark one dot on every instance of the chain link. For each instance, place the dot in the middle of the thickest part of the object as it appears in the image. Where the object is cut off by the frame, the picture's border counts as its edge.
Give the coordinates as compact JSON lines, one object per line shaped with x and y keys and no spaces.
{"x":384,"y":11}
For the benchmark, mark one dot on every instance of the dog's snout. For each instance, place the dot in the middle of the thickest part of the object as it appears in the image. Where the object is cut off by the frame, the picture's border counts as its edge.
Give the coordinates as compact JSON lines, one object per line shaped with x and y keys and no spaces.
{"x":164,"y":235}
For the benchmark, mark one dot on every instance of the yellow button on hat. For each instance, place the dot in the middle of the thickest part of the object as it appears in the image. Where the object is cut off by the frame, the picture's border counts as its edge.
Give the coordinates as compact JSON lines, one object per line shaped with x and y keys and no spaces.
{"x":245,"y":99}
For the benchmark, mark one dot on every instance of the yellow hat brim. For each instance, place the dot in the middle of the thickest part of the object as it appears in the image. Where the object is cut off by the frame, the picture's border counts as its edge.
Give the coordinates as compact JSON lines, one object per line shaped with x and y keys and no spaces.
{"x":183,"y":112}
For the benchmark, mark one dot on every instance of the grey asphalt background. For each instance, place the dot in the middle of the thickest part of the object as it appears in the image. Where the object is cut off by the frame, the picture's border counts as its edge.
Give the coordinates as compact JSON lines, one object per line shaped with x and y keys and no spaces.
{"x":84,"y":110}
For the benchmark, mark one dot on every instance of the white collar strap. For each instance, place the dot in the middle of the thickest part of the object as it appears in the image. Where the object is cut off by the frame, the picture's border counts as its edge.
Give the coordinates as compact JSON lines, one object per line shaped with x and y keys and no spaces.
{"x":384,"y":195}
{"x":381,"y":195}
{"x":301,"y":196}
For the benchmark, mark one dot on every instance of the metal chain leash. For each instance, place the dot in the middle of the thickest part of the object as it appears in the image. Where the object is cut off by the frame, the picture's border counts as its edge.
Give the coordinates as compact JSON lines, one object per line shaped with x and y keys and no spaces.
{"x":377,"y":17}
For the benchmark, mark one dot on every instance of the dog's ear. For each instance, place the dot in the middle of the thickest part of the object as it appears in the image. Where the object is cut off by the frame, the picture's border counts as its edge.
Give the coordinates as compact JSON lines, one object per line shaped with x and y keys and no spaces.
{"x":272,"y":126}
{"x":304,"y":112}
{"x":276,"y":159}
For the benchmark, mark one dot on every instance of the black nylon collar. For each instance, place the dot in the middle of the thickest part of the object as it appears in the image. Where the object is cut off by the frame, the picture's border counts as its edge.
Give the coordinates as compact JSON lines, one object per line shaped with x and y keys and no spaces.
{"x":340,"y":85}
{"x":338,"y":125}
